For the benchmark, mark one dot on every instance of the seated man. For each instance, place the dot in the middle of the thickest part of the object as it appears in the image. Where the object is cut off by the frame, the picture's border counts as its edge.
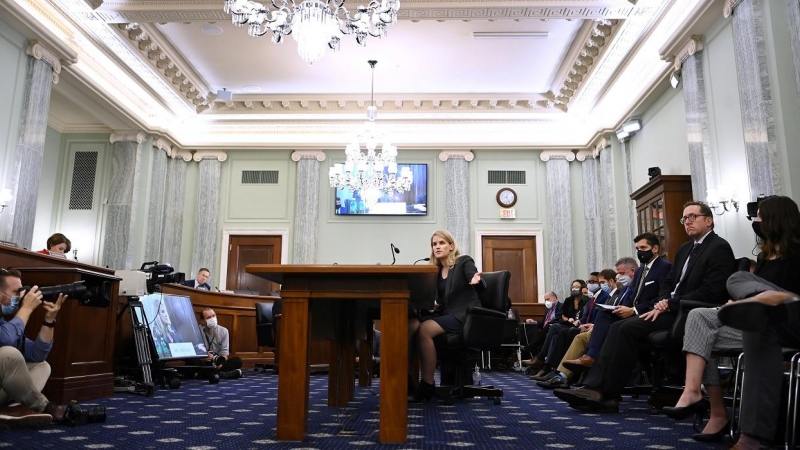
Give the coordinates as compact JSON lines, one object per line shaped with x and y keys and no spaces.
{"x":550,"y":317}
{"x":199,"y":281}
{"x":23,"y":370}
{"x":217,"y":342}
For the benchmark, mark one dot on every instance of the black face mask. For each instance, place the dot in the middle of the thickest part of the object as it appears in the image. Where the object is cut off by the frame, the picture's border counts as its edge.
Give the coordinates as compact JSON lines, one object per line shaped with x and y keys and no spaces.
{"x":757,"y":230}
{"x":644,"y":255}
{"x":575,"y":292}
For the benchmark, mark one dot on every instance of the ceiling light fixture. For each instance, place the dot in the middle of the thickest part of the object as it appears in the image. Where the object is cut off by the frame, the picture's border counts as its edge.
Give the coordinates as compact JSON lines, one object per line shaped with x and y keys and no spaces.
{"x":315,"y":24}
{"x":371,"y":173}
{"x":628,"y":129}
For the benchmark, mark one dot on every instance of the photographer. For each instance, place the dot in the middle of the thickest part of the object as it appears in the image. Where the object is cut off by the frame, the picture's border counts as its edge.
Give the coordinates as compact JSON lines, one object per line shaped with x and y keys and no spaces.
{"x":217,"y":342}
{"x":23,"y":370}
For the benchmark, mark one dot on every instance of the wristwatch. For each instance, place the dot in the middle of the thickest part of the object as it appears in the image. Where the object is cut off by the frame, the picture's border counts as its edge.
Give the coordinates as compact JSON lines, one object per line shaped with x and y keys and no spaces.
{"x":49,"y":324}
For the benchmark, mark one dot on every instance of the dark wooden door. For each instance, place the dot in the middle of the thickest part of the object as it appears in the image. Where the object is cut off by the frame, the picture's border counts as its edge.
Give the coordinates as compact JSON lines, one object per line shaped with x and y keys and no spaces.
{"x":516,"y":254}
{"x":244,"y":250}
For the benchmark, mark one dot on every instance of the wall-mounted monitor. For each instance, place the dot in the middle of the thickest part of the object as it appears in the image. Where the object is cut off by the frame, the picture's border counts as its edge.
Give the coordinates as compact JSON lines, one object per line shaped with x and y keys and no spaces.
{"x":413,"y":202}
{"x":174,"y":326}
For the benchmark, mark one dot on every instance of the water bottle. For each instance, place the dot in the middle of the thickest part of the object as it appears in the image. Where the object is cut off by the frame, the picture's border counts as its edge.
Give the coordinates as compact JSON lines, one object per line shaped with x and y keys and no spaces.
{"x":476,"y":376}
{"x":511,"y":314}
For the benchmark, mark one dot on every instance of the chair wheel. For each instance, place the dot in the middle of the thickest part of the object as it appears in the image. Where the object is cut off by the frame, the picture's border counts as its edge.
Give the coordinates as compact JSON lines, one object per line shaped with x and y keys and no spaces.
{"x":213,"y":378}
{"x":496,"y":400}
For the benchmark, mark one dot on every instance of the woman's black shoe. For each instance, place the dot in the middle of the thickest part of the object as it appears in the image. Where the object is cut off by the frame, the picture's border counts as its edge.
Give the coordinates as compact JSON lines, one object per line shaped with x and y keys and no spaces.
{"x":712,"y":437}
{"x":680,"y":413}
{"x":424,"y":391}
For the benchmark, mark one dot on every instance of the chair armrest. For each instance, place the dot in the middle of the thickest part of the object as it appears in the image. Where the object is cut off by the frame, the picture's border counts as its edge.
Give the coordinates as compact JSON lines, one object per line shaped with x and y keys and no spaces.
{"x":485,"y":312}
{"x":688,"y":305}
{"x":679,"y":326}
{"x":483,"y":328}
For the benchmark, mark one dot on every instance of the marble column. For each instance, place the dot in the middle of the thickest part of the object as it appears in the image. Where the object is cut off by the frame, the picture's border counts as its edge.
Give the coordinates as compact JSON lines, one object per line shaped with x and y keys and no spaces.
{"x":207,"y":212}
{"x":43,"y":70}
{"x":306,"y":209}
{"x":122,"y":198}
{"x":793,"y":16}
{"x":456,"y":196}
{"x":559,"y":219}
{"x":755,"y":97}
{"x":155,"y":208}
{"x":608,"y":219}
{"x":174,"y":195}
{"x":689,"y":61}
{"x":627,"y":172}
{"x":590,"y":169}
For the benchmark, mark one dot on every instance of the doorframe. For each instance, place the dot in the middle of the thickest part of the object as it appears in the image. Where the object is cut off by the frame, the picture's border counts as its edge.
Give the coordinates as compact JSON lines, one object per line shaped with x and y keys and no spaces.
{"x":536,"y":233}
{"x":226,"y":242}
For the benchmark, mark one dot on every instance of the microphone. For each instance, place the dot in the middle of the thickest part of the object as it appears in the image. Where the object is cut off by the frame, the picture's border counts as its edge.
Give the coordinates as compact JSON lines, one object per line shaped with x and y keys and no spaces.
{"x":394,"y":250}
{"x":217,"y":288}
{"x":421,"y":259}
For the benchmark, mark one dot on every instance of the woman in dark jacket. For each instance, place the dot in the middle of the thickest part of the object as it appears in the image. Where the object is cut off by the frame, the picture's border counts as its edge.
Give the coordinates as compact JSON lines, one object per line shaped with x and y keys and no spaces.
{"x":455,"y":292}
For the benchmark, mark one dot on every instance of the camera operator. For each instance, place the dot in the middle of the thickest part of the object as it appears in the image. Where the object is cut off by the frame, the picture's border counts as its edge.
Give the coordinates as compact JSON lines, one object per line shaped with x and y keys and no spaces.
{"x":217,"y":342}
{"x":23,"y":370}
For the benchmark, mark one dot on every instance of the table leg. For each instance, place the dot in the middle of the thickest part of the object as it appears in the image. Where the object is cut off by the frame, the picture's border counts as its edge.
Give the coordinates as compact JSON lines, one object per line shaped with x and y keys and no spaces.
{"x":394,"y":371}
{"x":341,"y":371}
{"x":293,"y":381}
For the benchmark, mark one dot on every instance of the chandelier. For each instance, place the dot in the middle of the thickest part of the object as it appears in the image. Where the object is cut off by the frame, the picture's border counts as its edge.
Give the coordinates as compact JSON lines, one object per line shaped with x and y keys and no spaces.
{"x":315,"y":24}
{"x":364,"y":172}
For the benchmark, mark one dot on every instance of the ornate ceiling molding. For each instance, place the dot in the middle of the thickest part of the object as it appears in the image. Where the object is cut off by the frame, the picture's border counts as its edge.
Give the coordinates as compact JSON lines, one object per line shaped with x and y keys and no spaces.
{"x":693,"y":45}
{"x":730,"y":5}
{"x":547,"y":155}
{"x":39,"y":51}
{"x":210,"y":154}
{"x":297,"y":155}
{"x":594,"y":149}
{"x":135,"y":136}
{"x":466,"y":155}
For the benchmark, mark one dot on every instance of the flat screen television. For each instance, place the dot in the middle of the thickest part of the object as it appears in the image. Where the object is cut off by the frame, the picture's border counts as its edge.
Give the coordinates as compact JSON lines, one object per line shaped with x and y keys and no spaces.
{"x":413,"y":202}
{"x":173,"y":325}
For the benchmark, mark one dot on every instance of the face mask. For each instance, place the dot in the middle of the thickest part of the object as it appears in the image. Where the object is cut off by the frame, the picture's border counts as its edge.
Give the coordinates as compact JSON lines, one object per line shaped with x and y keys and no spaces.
{"x":606,"y":288}
{"x":757,"y":230}
{"x":7,"y":310}
{"x":212,"y":322}
{"x":624,"y":280}
{"x":575,"y":291}
{"x":548,"y":304}
{"x":593,"y":287}
{"x":644,"y":255}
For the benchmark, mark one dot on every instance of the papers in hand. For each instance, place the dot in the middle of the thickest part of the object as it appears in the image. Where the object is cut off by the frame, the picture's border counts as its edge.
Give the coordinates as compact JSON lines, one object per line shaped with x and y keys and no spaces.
{"x":609,"y":307}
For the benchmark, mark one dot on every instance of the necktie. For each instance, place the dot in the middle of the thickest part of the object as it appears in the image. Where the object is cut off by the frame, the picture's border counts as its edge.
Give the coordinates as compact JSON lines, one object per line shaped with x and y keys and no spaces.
{"x":640,"y":286}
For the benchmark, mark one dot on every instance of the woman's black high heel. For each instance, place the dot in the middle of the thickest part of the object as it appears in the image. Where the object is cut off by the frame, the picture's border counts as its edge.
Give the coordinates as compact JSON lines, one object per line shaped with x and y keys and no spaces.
{"x":424,"y":391}
{"x":682,"y":412}
{"x":712,"y":437}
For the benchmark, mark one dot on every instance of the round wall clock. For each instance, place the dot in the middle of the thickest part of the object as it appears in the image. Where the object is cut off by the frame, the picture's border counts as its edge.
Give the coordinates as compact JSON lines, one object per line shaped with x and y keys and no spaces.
{"x":506,"y":197}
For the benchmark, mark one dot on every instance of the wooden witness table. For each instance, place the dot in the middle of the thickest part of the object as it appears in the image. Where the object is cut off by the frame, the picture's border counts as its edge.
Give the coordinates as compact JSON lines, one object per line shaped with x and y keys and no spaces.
{"x":335,"y":300}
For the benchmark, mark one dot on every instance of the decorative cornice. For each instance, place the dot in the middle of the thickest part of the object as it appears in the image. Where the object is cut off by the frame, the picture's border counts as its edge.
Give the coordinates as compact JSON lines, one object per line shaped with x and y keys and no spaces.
{"x":693,"y":45}
{"x":134,"y":136}
{"x":210,"y":154}
{"x":297,"y":155}
{"x":466,"y":155}
{"x":547,"y":155}
{"x":730,"y":5}
{"x":163,"y":144}
{"x":39,"y":51}
{"x":185,"y":155}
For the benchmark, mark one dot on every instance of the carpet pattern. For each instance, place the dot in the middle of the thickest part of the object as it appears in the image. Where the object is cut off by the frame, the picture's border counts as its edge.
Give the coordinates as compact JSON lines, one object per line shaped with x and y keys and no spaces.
{"x":241,"y":414}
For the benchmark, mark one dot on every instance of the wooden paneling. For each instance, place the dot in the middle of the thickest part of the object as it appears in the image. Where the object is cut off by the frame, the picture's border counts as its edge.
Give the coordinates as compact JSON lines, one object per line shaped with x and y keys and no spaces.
{"x":517,"y":254}
{"x":246,"y":250}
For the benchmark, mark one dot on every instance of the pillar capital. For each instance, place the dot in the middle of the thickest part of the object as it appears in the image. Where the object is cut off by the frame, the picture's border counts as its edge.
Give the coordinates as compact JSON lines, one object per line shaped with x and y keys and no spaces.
{"x":161,"y":143}
{"x":185,"y":155}
{"x":219,"y":155}
{"x":39,"y":51}
{"x":297,"y":155}
{"x":134,"y":136}
{"x":547,"y":155}
{"x":583,"y":154}
{"x":466,"y":155}
{"x":692,"y":46}
{"x":730,"y":5}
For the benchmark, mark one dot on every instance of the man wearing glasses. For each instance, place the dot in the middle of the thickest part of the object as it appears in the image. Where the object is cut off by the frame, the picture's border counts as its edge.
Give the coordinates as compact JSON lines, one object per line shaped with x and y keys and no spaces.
{"x":23,"y":370}
{"x":701,"y":268}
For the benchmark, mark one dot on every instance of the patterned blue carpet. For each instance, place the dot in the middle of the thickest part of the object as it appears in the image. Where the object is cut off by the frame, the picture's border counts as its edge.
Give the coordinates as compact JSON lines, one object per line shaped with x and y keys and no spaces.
{"x":240,"y":414}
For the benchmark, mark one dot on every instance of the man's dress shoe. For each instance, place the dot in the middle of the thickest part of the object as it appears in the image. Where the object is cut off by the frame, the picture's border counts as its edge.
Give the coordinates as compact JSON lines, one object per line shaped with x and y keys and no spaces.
{"x":585,"y":362}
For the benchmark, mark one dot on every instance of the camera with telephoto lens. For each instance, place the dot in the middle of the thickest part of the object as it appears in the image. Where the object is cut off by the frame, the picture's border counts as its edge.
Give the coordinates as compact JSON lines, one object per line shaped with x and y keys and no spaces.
{"x":92,"y":295}
{"x":752,"y":207}
{"x":158,"y":274}
{"x":76,"y":414}
{"x":218,"y":360}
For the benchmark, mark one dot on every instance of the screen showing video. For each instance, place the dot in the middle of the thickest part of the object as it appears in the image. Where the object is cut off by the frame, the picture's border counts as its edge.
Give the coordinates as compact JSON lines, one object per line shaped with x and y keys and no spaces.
{"x":174,"y":326}
{"x":413,"y":202}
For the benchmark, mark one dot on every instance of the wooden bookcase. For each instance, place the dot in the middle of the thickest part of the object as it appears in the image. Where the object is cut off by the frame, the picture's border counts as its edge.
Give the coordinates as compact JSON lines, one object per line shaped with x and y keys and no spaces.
{"x":659,"y":208}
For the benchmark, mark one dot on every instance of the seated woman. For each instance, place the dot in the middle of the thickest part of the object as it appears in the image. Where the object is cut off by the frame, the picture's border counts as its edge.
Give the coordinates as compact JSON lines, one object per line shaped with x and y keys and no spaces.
{"x":778,"y":229}
{"x":455,"y":292}
{"x":57,"y":243}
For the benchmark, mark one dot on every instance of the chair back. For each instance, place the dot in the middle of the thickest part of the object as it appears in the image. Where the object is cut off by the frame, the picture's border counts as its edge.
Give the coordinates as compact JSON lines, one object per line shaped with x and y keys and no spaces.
{"x":495,"y":295}
{"x":265,"y":325}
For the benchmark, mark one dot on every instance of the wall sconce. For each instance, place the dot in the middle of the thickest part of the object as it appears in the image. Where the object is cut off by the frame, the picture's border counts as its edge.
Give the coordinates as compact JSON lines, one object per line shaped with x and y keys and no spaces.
{"x":628,"y":129}
{"x":720,"y":200}
{"x":5,"y":198}
{"x":675,"y":79}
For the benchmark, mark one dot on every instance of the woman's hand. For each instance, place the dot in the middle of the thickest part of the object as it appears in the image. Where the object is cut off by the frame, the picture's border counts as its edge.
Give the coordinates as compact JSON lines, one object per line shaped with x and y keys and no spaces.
{"x":476,"y":279}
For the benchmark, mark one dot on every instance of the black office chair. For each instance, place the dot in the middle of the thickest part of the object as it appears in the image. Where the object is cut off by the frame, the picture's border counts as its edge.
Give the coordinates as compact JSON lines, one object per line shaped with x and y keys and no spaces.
{"x":265,"y":330}
{"x":483,"y":330}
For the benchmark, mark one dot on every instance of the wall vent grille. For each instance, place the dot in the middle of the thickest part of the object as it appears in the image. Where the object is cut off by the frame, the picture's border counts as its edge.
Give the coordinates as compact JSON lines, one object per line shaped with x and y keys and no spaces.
{"x":81,"y":194}
{"x":507,"y":177}
{"x":259,"y":177}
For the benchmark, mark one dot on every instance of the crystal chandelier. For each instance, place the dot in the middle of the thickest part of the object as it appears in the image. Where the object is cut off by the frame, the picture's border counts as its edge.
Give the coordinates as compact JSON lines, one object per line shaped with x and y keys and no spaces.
{"x":315,"y":24}
{"x":365,"y":172}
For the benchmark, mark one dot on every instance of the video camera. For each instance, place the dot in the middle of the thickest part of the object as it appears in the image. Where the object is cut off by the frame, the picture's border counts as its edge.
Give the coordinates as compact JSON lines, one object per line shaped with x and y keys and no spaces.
{"x":752,"y":207}
{"x":94,"y":295}
{"x":158,"y":274}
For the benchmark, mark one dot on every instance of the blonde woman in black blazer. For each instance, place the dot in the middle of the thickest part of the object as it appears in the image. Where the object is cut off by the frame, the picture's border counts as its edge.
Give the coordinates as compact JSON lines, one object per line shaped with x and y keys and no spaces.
{"x":456,"y":291}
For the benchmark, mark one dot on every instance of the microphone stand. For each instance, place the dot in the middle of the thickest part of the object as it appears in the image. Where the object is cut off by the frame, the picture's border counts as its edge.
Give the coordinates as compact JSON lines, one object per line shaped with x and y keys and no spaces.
{"x":421,"y":259}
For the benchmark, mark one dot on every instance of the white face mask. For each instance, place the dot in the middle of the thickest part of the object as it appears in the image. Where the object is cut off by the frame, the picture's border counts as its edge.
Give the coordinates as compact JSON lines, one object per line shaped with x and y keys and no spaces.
{"x":548,"y":304}
{"x":212,"y":322}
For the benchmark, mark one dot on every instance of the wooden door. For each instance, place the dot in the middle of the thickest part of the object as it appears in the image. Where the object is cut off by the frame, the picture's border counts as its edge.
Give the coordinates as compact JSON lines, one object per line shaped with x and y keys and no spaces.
{"x":244,"y":250}
{"x":516,"y":254}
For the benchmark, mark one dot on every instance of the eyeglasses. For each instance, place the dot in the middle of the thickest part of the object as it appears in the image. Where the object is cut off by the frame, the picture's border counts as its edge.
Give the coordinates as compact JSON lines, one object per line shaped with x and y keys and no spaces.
{"x":691,"y":218}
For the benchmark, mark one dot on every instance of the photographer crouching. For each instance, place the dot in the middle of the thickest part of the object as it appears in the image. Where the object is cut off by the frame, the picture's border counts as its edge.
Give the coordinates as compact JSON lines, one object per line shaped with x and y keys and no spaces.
{"x":217,"y":342}
{"x":23,"y":370}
